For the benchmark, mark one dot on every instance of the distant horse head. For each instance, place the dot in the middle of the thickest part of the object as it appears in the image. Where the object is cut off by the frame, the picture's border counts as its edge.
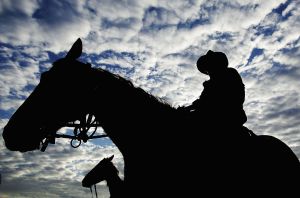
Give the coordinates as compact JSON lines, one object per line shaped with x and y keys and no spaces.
{"x":54,"y":102}
{"x":104,"y":170}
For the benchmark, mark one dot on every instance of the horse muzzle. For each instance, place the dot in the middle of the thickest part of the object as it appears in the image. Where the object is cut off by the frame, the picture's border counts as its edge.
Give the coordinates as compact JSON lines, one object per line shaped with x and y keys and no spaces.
{"x":21,"y":139}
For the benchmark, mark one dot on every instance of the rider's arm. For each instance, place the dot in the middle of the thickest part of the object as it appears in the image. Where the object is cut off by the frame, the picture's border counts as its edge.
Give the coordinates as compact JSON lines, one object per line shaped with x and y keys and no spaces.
{"x":191,"y":107}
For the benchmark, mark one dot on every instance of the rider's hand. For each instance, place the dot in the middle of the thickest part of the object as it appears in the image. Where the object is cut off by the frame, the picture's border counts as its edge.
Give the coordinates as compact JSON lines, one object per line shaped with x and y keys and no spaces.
{"x":182,"y":109}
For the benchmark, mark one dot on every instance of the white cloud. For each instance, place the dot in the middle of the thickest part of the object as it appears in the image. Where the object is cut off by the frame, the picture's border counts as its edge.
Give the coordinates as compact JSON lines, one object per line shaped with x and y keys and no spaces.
{"x":21,"y":7}
{"x":19,"y":70}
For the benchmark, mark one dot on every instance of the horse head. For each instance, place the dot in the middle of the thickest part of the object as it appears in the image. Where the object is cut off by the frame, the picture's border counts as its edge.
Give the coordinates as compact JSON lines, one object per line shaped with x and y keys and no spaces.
{"x":60,"y":97}
{"x":104,"y":170}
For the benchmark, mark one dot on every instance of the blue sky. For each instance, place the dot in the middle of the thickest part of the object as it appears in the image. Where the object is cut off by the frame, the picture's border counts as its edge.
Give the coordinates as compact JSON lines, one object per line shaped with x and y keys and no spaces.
{"x":155,"y":44}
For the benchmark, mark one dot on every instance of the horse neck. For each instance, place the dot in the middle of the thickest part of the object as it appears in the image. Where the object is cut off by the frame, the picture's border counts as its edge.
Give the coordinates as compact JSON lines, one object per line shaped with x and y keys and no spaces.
{"x":115,"y":185}
{"x":124,"y":110}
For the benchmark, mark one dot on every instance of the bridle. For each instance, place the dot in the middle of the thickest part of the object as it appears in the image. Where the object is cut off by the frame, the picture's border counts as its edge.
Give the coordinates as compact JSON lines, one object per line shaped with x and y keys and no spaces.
{"x":91,"y":189}
{"x":80,"y":132}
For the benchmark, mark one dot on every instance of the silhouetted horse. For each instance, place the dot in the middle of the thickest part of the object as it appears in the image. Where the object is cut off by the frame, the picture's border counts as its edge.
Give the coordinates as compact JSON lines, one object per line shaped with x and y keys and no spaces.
{"x":105,"y":170}
{"x":165,"y":154}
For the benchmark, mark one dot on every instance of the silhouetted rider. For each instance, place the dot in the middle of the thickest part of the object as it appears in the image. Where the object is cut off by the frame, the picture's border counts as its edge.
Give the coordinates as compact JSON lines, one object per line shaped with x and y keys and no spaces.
{"x":220,"y":105}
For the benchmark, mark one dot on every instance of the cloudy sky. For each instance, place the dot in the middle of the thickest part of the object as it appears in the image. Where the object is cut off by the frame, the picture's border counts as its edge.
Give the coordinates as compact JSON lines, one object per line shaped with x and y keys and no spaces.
{"x":155,"y":44}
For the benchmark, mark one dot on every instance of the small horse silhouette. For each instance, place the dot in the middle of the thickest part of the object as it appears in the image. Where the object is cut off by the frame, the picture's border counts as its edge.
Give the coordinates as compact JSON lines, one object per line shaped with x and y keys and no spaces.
{"x":105,"y":170}
{"x":154,"y":138}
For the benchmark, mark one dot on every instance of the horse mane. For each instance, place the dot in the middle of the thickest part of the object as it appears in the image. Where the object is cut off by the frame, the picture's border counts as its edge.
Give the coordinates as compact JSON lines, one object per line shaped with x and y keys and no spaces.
{"x":127,"y":85}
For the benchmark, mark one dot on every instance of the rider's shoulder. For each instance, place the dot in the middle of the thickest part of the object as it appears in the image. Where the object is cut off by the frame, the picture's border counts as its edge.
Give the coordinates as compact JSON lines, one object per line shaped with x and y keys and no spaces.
{"x":233,"y":73}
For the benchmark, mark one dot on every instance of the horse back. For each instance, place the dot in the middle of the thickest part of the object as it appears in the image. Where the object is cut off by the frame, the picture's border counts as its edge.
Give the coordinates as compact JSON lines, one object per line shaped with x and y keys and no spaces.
{"x":273,"y":165}
{"x":275,"y":152}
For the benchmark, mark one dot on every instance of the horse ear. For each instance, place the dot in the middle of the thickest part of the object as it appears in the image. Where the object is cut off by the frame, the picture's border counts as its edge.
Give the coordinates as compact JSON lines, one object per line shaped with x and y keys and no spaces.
{"x":110,"y":158}
{"x":75,"y":50}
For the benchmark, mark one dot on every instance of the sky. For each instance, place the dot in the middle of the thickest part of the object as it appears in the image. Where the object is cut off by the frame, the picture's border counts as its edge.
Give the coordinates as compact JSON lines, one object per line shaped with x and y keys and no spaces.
{"x":154,"y":44}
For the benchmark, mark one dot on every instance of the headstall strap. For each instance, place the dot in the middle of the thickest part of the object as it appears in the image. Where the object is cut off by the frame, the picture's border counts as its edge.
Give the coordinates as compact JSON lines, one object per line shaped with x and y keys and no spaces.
{"x":95,"y":191}
{"x":91,"y":191}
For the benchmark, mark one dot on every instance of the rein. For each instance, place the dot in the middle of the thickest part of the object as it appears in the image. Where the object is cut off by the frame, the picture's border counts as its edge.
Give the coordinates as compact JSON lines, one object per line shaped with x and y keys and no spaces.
{"x":91,"y":189}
